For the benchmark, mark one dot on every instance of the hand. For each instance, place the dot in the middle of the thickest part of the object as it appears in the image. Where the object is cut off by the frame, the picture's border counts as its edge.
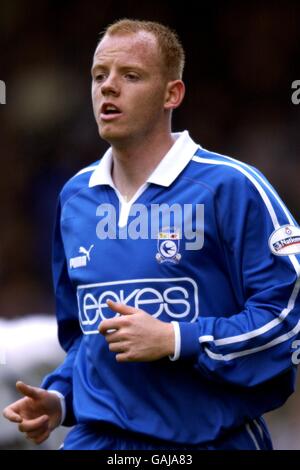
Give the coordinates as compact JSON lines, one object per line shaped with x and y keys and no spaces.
{"x":137,"y":336}
{"x":37,"y":413}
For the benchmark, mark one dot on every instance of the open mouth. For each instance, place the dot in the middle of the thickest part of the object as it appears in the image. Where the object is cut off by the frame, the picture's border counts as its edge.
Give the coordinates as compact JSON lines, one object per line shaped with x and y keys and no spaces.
{"x":108,"y":109}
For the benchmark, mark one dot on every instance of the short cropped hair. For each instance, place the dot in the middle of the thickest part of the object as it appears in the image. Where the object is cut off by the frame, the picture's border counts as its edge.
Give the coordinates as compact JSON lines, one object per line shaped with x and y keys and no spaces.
{"x":168,"y":42}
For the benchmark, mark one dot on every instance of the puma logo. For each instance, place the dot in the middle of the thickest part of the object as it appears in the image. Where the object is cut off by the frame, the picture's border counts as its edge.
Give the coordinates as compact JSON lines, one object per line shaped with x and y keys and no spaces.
{"x":86,"y":252}
{"x":81,"y":261}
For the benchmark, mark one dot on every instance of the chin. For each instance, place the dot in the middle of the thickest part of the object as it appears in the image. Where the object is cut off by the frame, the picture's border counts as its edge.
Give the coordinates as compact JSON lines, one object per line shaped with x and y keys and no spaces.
{"x":111,"y":135}
{"x":106,"y":134}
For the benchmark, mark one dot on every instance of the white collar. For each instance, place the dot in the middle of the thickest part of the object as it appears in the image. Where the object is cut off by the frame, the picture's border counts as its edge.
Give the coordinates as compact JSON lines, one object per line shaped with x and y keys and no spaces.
{"x":172,"y":164}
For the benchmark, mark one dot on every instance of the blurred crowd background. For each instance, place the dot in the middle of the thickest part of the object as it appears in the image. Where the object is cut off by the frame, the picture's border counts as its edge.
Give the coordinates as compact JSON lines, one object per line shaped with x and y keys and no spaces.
{"x":242,"y":58}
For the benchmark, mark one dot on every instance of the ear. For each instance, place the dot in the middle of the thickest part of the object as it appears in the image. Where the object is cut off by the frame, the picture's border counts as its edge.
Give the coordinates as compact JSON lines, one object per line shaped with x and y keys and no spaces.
{"x":175,"y":92}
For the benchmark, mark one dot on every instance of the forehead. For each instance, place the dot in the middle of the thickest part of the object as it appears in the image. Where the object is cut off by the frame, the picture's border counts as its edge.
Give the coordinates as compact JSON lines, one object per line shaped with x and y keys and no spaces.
{"x":138,"y":47}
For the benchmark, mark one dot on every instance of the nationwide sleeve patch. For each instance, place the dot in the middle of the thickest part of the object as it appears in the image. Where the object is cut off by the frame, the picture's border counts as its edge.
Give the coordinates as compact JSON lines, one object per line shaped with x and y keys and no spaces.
{"x":285,"y":241}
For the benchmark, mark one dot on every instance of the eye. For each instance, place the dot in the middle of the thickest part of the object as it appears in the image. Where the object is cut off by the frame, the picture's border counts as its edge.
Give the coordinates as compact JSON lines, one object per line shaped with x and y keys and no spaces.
{"x":131,"y":76}
{"x":99,"y":77}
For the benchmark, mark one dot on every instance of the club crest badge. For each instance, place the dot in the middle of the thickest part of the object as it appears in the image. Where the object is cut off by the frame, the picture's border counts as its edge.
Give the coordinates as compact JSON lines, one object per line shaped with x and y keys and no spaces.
{"x":168,"y":244}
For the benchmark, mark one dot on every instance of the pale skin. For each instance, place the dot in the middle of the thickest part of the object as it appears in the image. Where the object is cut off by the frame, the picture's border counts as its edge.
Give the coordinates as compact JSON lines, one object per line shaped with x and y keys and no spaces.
{"x":127,"y":74}
{"x":37,"y":413}
{"x":136,"y":336}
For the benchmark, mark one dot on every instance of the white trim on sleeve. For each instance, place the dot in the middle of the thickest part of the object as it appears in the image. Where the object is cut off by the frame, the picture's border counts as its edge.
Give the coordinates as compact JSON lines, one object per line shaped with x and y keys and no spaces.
{"x":62,"y":404}
{"x":177,"y":348}
{"x":252,"y":175}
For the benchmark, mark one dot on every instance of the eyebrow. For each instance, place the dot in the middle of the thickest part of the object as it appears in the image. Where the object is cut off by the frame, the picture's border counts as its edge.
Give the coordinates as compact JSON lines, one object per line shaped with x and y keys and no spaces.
{"x":122,"y":67}
{"x":95,"y":67}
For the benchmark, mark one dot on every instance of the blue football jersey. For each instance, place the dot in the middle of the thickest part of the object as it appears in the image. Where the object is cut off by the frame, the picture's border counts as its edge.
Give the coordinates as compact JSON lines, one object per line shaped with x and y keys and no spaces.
{"x":205,"y":243}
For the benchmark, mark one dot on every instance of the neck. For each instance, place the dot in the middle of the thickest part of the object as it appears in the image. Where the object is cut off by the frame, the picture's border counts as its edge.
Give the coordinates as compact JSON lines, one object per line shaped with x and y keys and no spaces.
{"x":132,"y":164}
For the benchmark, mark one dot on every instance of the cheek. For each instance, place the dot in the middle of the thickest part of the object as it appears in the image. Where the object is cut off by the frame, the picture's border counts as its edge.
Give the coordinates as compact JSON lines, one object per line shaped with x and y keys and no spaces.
{"x":95,"y":92}
{"x":95,"y":99}
{"x":152,"y":108}
{"x":149,"y":105}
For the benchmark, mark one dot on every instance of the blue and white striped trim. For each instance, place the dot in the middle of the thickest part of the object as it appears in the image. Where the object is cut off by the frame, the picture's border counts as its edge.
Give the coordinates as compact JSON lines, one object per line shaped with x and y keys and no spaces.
{"x":252,"y":436}
{"x":251,"y":174}
{"x":227,"y":357}
{"x":257,"y":424}
{"x":265,"y":183}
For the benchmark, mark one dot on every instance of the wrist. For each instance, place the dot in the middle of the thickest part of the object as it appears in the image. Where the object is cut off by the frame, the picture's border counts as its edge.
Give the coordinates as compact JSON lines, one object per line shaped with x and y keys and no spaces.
{"x":170,"y":340}
{"x":177,"y":342}
{"x":61,"y":409}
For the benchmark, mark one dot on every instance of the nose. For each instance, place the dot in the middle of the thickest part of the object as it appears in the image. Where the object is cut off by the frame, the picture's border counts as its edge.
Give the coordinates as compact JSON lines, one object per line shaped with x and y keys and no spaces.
{"x":110,"y":86}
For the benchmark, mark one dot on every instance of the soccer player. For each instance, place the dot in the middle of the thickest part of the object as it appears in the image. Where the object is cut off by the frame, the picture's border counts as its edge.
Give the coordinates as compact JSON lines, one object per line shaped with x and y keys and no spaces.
{"x":176,"y":275}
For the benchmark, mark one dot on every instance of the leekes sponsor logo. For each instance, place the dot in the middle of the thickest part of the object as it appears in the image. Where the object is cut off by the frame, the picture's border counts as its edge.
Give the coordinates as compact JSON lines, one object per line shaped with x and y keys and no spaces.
{"x":167,"y":299}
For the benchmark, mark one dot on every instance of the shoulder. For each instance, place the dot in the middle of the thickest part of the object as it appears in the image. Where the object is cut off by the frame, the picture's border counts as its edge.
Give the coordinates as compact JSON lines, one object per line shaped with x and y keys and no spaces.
{"x":77,"y":182}
{"x":238,"y":186}
{"x":224,"y":172}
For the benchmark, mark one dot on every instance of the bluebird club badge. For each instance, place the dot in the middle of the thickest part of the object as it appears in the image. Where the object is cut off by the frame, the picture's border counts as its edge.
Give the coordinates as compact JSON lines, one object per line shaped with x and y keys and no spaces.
{"x":168,"y":243}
